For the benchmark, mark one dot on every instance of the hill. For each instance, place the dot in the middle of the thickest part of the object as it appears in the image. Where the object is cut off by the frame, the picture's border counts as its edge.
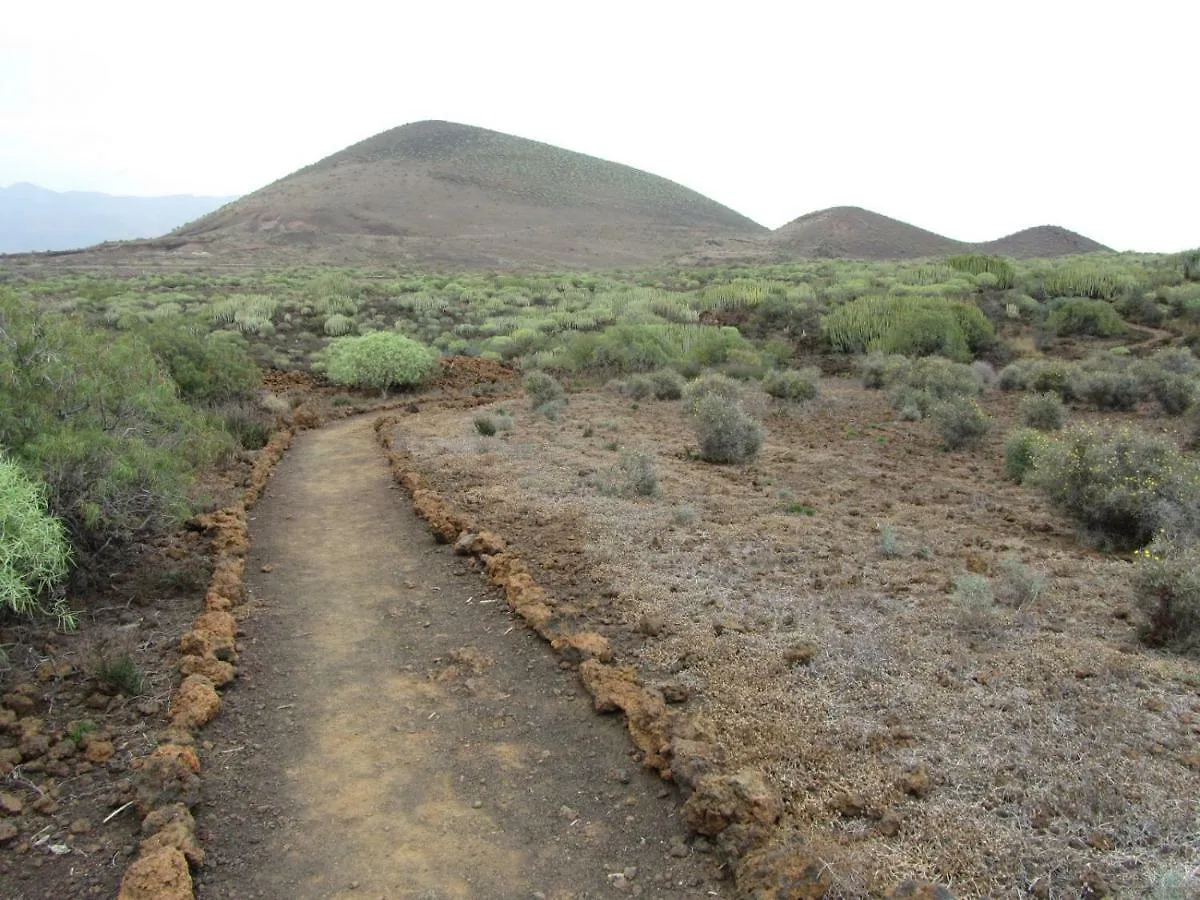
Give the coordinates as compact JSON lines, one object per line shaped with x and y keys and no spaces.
{"x":440,"y":193}
{"x":848,"y":232}
{"x":33,"y":218}
{"x":1045,"y":240}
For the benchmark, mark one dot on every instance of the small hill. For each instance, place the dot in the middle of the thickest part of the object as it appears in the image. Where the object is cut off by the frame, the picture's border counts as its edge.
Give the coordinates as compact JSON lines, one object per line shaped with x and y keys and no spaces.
{"x":848,"y":232}
{"x":1045,"y":240}
{"x":440,"y":193}
{"x":34,"y":219}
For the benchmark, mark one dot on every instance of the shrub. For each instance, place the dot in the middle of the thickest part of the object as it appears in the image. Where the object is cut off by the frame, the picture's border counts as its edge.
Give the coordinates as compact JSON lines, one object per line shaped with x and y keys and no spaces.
{"x":98,"y":417}
{"x":247,"y":423}
{"x":1020,"y":453}
{"x":879,"y":371}
{"x":712,"y":383}
{"x":942,"y":378}
{"x":977,"y":264}
{"x":973,"y":598}
{"x":960,"y":422}
{"x":338,"y":325}
{"x":1014,"y":377}
{"x":1109,"y":390}
{"x":544,"y":392}
{"x":1019,"y":584}
{"x":790,"y":384}
{"x":212,"y":368}
{"x":1042,"y":376}
{"x":1045,"y":412}
{"x":1079,"y":315}
{"x":638,"y":387}
{"x":1124,"y":484}
{"x":1167,"y":579}
{"x":633,"y":476}
{"x":488,"y":423}
{"x":1191,"y":429}
{"x":668,"y":384}
{"x":381,"y":360}
{"x":726,"y":434}
{"x":909,"y":325}
{"x":1174,"y":393}
{"x":34,"y":551}
{"x":985,"y":372}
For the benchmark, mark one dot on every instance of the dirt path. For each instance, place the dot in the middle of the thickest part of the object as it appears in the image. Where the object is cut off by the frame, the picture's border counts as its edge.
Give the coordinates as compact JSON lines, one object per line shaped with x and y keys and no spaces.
{"x":395,"y":734}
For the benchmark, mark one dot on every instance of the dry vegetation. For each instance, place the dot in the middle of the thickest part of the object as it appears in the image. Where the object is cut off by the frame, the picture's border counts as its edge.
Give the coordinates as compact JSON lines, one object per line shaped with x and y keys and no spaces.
{"x":1005,"y":740}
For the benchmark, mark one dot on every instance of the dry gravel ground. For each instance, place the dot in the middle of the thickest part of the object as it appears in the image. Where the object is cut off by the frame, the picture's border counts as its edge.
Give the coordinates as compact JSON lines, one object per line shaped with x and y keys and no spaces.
{"x":394,"y":733}
{"x":1005,"y":751}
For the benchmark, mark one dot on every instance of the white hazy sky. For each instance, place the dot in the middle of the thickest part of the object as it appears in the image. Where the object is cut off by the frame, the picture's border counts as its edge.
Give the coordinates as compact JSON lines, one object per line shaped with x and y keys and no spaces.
{"x":968,"y":118}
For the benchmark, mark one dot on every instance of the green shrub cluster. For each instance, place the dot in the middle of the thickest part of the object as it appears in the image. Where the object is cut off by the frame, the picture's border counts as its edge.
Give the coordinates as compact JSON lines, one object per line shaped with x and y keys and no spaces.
{"x":1081,"y":316}
{"x":880,"y":371}
{"x":208,"y":368}
{"x":34,"y":551}
{"x":544,"y":392}
{"x":960,"y":421}
{"x":668,"y":384}
{"x":907,"y":325}
{"x":1167,"y":580}
{"x":1004,"y":271}
{"x":1125,"y":485}
{"x":725,"y":432}
{"x":797,"y":385}
{"x":381,"y":361}
{"x":99,"y":419}
{"x":1020,"y":452}
{"x":925,"y":382}
{"x":711,"y":383}
{"x":1045,"y":412}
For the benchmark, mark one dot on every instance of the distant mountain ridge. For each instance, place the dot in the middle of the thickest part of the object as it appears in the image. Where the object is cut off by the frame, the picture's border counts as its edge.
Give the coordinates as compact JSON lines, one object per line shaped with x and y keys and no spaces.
{"x":34,"y":218}
{"x":440,"y":194}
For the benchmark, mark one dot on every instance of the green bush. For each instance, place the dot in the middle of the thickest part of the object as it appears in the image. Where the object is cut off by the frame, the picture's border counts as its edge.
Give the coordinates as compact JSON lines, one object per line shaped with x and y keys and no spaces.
{"x":978,"y":264}
{"x":879,"y":371}
{"x":638,"y":387}
{"x":1175,"y":393}
{"x":1109,"y":390}
{"x":34,"y":551}
{"x":930,"y":380}
{"x":1020,"y":452}
{"x":381,"y":360}
{"x":1081,"y":316}
{"x":1123,"y":484}
{"x":725,"y":433}
{"x":1045,"y":412}
{"x":712,"y":383}
{"x":668,"y":384}
{"x":1167,"y":580}
{"x":543,"y":391}
{"x":960,"y":422}
{"x":909,"y":325}
{"x":1014,"y":377}
{"x":797,"y":385}
{"x":99,"y":419}
{"x":208,"y":368}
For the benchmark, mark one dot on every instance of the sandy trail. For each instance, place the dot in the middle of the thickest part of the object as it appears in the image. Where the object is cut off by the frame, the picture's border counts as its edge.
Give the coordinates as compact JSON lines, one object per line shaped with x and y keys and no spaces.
{"x":395,"y":734}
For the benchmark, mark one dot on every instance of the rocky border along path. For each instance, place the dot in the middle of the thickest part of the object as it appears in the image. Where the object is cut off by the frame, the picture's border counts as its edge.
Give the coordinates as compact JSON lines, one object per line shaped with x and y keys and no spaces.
{"x":396,"y":732}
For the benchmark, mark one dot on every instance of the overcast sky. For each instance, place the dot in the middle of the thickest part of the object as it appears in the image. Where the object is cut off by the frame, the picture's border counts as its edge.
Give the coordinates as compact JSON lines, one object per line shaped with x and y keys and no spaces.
{"x":970,"y":119}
